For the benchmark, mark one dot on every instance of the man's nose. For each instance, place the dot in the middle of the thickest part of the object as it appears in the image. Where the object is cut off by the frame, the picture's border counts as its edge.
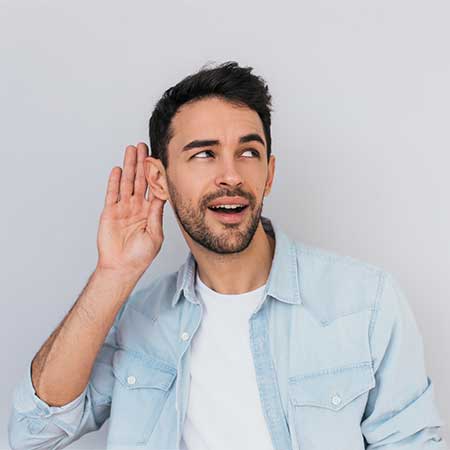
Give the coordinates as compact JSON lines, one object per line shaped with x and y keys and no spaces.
{"x":228,"y":173}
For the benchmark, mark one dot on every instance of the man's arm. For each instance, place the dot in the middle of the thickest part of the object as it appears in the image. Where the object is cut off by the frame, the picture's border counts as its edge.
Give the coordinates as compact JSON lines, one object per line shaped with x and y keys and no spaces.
{"x":67,"y":392}
{"x":61,"y":369}
{"x":401,"y":410}
{"x":58,"y":399}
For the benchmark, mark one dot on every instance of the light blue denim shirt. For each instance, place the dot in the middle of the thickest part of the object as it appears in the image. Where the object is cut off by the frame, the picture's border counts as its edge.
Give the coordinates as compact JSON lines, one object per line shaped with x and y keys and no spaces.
{"x":338,"y":357}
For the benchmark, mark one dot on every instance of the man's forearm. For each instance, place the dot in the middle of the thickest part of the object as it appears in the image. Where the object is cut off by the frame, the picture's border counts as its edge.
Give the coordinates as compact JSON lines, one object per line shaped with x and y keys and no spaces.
{"x":62,"y":367}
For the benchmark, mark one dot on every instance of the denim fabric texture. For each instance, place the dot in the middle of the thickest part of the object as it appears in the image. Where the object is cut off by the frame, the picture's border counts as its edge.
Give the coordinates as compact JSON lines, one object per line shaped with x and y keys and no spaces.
{"x":338,"y":357}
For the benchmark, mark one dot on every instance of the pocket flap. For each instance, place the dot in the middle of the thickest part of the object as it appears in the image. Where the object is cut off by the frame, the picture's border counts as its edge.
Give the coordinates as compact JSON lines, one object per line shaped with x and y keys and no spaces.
{"x":137,"y":370}
{"x":332,"y":388}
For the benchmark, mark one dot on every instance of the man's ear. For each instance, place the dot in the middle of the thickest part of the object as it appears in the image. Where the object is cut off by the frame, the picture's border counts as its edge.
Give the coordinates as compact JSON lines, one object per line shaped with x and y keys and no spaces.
{"x":155,"y":175}
{"x":270,"y":175}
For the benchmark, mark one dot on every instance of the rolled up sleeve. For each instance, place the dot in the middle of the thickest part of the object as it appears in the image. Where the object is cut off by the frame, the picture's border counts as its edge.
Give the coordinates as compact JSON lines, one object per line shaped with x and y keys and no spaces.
{"x":33,"y":424}
{"x":401,"y":410}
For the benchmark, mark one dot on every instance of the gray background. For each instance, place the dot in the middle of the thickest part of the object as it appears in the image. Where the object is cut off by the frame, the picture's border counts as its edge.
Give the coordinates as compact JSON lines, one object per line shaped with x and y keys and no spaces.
{"x":360,"y":132}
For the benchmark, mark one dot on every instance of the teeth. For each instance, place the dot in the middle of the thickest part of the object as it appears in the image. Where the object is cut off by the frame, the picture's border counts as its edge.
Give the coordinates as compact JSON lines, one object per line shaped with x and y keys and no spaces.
{"x":227,"y":206}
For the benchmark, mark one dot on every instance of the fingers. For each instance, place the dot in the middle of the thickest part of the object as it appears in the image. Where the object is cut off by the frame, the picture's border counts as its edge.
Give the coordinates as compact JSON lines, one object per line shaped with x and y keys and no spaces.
{"x":128,"y":173}
{"x":140,"y":182}
{"x":122,"y":184}
{"x":112,"y":191}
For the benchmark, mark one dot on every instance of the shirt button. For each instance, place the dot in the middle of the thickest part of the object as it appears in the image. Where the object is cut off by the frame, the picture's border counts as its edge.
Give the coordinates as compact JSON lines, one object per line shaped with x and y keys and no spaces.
{"x":336,"y":400}
{"x":131,"y":379}
{"x":185,"y":336}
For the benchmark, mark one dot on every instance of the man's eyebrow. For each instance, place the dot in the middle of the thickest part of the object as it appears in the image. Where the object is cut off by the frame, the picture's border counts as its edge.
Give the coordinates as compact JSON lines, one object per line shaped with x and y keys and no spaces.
{"x":209,"y":142}
{"x":251,"y":137}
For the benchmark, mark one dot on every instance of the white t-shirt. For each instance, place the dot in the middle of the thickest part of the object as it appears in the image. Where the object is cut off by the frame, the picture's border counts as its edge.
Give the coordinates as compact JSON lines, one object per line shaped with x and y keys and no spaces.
{"x":224,"y":409}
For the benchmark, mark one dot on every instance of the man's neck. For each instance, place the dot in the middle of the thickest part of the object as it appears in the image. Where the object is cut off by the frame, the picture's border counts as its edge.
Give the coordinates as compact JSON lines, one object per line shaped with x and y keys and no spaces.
{"x":239,"y":272}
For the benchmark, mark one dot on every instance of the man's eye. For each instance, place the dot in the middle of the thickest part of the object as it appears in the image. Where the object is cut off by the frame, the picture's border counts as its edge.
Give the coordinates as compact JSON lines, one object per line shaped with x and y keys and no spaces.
{"x":255,"y":152}
{"x":204,"y":151}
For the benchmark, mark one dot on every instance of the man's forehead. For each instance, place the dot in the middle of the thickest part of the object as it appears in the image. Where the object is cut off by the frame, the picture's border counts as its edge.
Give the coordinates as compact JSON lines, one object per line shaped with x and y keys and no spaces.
{"x":214,"y":120}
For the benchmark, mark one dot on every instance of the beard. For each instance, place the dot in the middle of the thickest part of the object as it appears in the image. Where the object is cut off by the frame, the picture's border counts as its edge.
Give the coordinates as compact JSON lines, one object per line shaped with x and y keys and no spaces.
{"x":235,"y":237}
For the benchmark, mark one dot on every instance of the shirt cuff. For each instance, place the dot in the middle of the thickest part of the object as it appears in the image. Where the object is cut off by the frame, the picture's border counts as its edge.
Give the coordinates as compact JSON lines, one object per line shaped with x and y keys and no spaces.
{"x":26,"y":401}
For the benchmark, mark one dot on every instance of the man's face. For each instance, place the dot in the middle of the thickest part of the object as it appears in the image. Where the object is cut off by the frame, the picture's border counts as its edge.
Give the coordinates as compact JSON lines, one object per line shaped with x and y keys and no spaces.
{"x":202,"y":174}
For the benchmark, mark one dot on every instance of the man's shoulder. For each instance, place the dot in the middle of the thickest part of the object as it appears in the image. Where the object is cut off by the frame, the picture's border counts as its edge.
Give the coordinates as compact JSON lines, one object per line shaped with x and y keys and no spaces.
{"x":330,"y":258}
{"x":334,"y":284}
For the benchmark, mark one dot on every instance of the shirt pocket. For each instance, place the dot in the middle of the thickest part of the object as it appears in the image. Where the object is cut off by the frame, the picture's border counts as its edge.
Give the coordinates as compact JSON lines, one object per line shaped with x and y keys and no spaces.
{"x":328,"y":405}
{"x":139,"y":395}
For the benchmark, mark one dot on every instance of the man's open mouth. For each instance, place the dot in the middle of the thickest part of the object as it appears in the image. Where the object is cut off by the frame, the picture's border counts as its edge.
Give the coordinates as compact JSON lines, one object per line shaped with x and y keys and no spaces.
{"x":229,"y":214}
{"x":227,"y":210}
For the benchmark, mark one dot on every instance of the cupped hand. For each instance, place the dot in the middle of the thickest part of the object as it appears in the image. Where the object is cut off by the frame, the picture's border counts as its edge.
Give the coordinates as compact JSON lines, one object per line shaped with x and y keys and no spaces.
{"x":130,"y":233}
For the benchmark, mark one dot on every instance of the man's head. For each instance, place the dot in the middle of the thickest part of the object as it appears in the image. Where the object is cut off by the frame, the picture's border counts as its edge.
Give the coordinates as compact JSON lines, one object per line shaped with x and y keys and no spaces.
{"x":229,"y":107}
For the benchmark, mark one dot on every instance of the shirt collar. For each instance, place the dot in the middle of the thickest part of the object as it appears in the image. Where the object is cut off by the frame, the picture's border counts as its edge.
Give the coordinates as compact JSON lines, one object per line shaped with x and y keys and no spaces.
{"x":283,"y":281}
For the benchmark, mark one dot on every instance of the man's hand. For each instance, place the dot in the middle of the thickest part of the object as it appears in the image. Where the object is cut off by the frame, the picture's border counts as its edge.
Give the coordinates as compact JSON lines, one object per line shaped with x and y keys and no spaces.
{"x":130,"y":233}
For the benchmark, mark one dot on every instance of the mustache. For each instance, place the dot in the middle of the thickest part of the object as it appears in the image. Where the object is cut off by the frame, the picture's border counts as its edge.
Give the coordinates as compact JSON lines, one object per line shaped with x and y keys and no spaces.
{"x":229,"y":194}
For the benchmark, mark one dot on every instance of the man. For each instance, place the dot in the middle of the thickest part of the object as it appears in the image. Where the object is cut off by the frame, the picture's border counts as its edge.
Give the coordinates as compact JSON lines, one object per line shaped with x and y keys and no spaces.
{"x":256,"y":342}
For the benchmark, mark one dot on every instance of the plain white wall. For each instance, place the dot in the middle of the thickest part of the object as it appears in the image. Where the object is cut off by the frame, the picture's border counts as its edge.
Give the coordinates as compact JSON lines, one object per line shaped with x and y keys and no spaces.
{"x":360,"y":131}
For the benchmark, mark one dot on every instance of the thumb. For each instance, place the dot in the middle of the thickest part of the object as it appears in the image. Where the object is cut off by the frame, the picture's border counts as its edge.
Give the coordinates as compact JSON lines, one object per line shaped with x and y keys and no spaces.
{"x":155,"y":215}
